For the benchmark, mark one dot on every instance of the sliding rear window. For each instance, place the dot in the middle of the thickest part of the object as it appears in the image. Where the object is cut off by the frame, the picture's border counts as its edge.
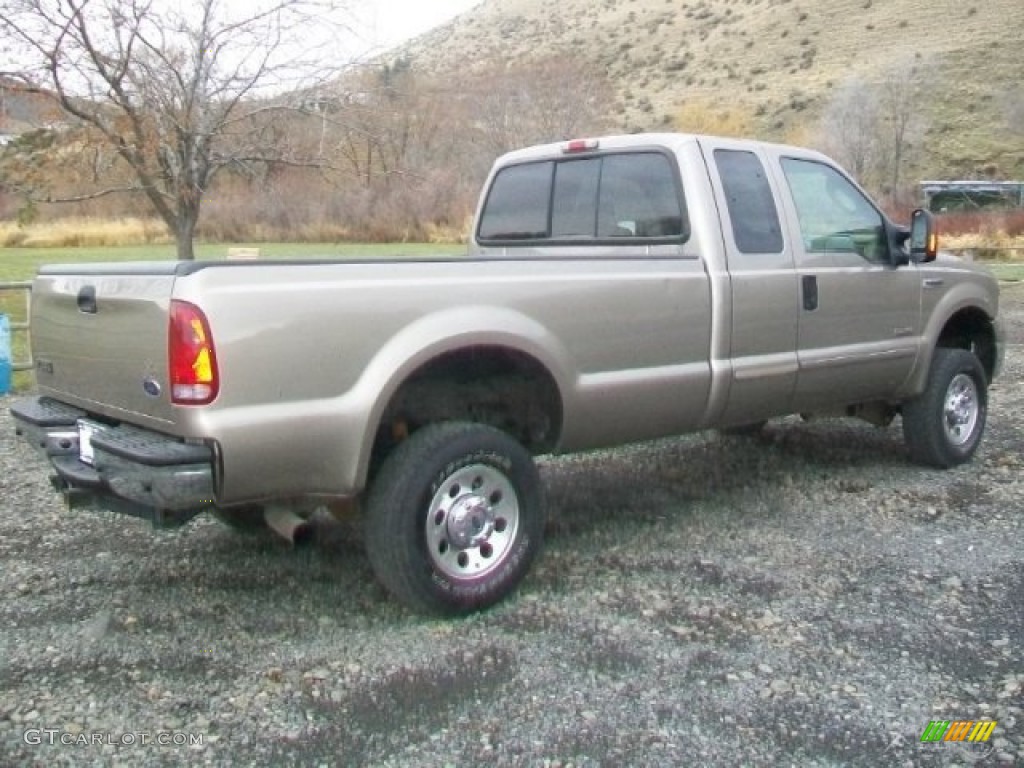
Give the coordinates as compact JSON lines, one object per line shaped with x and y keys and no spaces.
{"x":633,"y":196}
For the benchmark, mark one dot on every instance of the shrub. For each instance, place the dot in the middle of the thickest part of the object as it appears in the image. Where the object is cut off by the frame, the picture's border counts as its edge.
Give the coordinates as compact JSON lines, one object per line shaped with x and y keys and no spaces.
{"x":988,"y":235}
{"x":74,"y":232}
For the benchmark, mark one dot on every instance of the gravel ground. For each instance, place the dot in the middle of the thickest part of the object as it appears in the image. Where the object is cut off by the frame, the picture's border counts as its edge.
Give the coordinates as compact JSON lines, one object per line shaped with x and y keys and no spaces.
{"x":805,"y":598}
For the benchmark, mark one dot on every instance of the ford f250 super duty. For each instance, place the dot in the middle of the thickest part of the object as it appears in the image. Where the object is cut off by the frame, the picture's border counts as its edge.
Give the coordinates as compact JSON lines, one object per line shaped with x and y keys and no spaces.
{"x":615,"y":290}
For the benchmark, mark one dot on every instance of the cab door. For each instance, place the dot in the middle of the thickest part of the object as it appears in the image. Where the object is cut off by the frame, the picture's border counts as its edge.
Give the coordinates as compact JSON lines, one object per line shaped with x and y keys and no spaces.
{"x":860,"y":316}
{"x":763,"y":290}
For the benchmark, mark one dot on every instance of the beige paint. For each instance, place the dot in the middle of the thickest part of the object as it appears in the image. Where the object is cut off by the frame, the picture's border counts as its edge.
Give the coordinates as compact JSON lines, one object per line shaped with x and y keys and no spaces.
{"x":643,"y":341}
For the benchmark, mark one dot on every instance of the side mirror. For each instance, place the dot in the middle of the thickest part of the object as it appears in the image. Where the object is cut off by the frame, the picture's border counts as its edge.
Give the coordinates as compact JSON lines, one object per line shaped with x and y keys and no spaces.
{"x":924,"y":237}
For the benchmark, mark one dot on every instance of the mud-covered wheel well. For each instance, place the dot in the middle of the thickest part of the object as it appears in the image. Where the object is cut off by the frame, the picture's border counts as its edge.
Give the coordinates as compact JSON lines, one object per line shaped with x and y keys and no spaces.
{"x":972,"y":330}
{"x":500,"y":387}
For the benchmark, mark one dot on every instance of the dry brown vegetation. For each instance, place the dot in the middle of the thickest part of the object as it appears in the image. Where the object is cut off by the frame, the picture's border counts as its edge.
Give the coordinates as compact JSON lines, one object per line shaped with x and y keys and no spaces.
{"x":992,"y":236}
{"x":778,"y":60}
{"x":399,"y":157}
{"x":74,"y":232}
{"x":408,"y":140}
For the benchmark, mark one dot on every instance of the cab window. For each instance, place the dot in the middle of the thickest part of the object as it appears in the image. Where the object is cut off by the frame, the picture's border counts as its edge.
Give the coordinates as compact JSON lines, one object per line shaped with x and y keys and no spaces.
{"x":640,"y":197}
{"x":575,"y":207}
{"x":517,"y":206}
{"x":755,"y":220}
{"x":625,"y":196}
{"x":835,"y":217}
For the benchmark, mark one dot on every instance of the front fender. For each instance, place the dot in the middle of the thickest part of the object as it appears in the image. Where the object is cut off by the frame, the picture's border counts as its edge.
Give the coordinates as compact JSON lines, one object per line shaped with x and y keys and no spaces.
{"x":971,"y":297}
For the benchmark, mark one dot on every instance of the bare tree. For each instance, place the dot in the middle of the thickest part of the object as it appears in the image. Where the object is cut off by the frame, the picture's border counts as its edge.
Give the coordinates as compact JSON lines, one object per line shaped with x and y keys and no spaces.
{"x":179,"y":91}
{"x":849,"y":129}
{"x":549,"y":99}
{"x":421,"y":144}
{"x":407,"y":138}
{"x":874,"y":129}
{"x":902,"y":96}
{"x":377,"y":119}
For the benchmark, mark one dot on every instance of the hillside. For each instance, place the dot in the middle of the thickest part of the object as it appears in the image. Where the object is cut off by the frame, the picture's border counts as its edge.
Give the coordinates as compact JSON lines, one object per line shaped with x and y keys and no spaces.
{"x":22,"y":109}
{"x":778,"y":60}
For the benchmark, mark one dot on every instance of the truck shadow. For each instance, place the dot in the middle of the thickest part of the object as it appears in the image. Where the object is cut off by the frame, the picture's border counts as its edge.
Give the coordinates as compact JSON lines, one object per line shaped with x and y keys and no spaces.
{"x":597,"y":494}
{"x":648,"y":481}
{"x":594,"y":496}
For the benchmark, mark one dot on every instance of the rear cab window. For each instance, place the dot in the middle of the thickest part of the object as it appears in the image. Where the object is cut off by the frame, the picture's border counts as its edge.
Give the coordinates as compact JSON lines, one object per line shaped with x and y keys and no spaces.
{"x":632,"y":197}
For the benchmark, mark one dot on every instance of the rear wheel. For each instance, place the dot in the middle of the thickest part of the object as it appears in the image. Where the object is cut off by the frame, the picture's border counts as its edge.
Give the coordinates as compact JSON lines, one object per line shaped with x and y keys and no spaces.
{"x":942,"y":427}
{"x":454,"y":518}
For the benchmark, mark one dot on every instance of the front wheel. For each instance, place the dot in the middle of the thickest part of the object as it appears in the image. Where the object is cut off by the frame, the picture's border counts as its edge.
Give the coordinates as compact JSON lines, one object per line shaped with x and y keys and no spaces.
{"x":942,"y":427}
{"x":454,"y":518}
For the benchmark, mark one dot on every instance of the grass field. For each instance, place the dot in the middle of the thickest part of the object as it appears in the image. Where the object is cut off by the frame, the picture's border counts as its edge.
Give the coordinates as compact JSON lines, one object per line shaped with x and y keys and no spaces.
{"x":1009,"y":272}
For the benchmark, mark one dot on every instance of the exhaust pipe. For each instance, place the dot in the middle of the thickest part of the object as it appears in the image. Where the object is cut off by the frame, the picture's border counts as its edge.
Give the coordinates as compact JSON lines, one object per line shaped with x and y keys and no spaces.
{"x":282,"y":521}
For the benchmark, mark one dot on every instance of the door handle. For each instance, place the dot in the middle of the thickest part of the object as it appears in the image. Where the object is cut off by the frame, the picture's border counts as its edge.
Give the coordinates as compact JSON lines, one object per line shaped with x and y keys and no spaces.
{"x":810,"y":291}
{"x":87,"y":300}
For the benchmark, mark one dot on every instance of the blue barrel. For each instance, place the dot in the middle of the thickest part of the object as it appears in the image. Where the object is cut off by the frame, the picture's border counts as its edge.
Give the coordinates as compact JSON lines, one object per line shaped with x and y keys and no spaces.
{"x":5,"y":354}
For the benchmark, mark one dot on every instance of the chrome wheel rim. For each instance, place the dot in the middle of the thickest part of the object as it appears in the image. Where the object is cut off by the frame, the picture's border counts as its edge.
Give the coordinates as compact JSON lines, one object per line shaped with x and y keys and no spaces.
{"x":961,"y":410}
{"x":472,"y":522}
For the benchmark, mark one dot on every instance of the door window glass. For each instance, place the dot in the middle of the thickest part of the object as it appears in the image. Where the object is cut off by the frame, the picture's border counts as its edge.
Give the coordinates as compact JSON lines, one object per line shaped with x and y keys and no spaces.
{"x":834,"y":215}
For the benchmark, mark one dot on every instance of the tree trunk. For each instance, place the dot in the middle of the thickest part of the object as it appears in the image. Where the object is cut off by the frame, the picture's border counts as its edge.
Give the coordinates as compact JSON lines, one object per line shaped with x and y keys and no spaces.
{"x":185,"y":233}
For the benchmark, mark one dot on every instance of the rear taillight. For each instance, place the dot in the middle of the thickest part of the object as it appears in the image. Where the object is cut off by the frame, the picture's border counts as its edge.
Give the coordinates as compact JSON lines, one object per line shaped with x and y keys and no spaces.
{"x":191,"y":356}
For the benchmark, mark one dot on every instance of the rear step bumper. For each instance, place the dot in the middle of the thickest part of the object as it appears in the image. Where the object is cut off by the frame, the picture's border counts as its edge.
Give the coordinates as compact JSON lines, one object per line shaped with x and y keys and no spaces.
{"x":118,"y":467}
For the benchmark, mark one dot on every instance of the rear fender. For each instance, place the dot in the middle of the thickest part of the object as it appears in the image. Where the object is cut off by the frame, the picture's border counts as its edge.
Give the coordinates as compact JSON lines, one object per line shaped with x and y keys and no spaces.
{"x":437,"y":334}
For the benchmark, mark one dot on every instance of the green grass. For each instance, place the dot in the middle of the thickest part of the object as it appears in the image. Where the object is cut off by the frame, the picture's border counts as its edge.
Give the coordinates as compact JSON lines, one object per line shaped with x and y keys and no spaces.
{"x":1008,"y":272}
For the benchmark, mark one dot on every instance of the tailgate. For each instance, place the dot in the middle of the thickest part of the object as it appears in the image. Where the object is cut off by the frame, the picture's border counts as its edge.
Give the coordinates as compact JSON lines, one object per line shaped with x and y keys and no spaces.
{"x":99,"y":338}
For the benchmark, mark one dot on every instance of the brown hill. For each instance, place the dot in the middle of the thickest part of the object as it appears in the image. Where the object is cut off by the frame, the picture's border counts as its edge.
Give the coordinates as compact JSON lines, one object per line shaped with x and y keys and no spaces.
{"x":780,"y":61}
{"x":23,"y":108}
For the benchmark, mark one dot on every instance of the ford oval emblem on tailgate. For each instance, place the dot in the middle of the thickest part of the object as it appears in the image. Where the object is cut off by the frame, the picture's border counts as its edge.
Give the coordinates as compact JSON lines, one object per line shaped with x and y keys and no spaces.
{"x":152,"y":387}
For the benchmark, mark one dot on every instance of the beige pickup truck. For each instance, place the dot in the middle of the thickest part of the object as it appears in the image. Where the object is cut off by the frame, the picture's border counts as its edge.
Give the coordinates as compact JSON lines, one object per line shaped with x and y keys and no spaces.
{"x":615,"y":290}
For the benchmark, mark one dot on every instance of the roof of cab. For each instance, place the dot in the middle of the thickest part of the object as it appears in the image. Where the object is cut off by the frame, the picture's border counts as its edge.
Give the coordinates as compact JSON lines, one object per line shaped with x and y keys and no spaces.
{"x":671,"y":141}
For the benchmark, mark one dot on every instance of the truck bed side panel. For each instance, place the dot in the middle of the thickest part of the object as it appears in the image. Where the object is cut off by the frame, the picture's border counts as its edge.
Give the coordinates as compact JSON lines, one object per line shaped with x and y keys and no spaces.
{"x":310,"y":358}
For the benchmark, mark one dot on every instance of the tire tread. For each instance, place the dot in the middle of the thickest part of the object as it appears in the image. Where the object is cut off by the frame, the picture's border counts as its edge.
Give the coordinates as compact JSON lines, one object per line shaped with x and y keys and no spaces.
{"x":922,"y":428}
{"x":394,"y":557}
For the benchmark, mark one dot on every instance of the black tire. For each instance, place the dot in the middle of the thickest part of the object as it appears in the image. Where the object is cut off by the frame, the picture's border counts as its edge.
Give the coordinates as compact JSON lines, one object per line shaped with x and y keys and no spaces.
{"x":942,"y":427}
{"x":247,"y":518}
{"x":454,"y":518}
